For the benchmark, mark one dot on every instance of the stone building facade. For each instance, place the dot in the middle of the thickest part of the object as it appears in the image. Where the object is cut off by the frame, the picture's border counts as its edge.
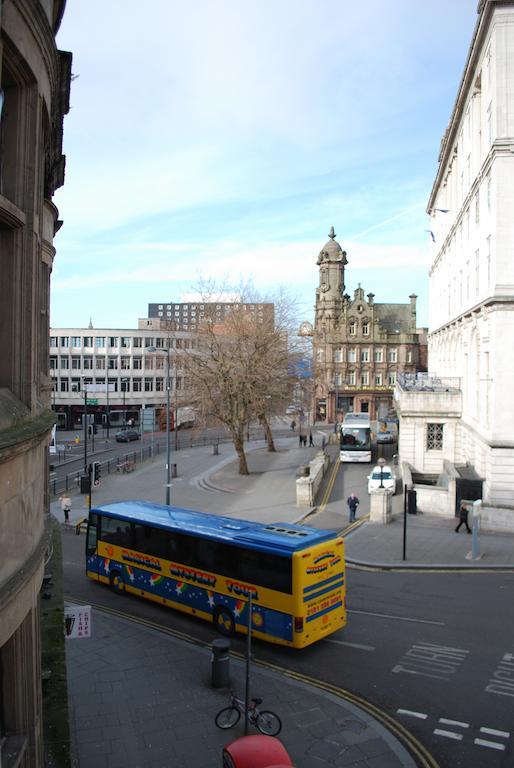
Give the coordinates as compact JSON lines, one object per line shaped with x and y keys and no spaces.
{"x":472,"y":284}
{"x":34,"y":96}
{"x":359,"y":346}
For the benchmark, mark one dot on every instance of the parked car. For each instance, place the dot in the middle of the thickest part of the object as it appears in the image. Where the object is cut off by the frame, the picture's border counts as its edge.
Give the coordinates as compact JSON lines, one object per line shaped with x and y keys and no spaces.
{"x":382,"y":475}
{"x":126,"y":435}
{"x":291,"y":409}
{"x":385,"y":437}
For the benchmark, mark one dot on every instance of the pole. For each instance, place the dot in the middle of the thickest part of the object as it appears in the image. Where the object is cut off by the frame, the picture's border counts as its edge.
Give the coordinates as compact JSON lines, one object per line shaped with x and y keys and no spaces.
{"x":90,"y":473}
{"x":248,"y":658}
{"x":85,"y":429}
{"x":168,"y":465}
{"x":124,"y":410}
{"x":108,"y":412}
{"x":175,"y":421}
{"x":404,"y":522}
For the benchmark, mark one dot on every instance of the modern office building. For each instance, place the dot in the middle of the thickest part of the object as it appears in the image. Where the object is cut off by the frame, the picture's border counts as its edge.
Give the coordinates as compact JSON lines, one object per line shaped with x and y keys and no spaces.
{"x":460,"y":420}
{"x":188,"y":316}
{"x":34,"y":95}
{"x":120,"y":370}
{"x":359,"y":346}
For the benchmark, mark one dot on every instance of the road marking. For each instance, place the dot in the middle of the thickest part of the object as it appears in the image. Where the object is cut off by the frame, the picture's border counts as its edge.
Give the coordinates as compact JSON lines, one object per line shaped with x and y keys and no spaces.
{"x":502,"y":681}
{"x":493,"y":732}
{"x":490,"y":744}
{"x":399,"y":618}
{"x":449,"y":734}
{"x":420,"y":715}
{"x":444,"y":721}
{"x":431,"y":660}
{"x":351,"y":645}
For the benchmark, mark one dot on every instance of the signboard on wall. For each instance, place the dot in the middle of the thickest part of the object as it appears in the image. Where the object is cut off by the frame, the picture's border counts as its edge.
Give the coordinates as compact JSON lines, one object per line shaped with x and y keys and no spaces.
{"x":77,"y":621}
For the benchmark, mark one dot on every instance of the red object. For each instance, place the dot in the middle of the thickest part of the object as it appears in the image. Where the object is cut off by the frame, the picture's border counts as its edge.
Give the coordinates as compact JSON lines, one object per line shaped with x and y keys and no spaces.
{"x":256,"y":752}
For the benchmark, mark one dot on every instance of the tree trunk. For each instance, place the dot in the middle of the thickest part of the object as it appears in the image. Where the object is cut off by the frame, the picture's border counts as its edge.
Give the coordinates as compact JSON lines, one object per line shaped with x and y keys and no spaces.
{"x":239,"y":446}
{"x":267,"y":433}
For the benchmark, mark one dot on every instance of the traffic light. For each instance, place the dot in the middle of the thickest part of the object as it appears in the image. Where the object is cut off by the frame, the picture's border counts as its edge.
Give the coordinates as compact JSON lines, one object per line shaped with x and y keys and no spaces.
{"x":97,"y":472}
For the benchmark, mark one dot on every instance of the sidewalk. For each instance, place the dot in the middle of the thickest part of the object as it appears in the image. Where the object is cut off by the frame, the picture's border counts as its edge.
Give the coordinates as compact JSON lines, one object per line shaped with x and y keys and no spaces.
{"x":143,"y":699}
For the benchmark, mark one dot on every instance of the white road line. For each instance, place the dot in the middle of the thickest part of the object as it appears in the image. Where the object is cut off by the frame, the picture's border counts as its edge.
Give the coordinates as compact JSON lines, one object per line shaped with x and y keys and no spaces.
{"x":490,"y":744}
{"x":420,"y":715}
{"x":444,"y":721}
{"x":449,"y":734}
{"x":493,"y":732}
{"x":351,"y":645}
{"x":399,"y":618}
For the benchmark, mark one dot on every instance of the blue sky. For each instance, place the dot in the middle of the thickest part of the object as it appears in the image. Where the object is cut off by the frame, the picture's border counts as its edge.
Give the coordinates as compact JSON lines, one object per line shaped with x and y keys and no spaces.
{"x":225,"y":138}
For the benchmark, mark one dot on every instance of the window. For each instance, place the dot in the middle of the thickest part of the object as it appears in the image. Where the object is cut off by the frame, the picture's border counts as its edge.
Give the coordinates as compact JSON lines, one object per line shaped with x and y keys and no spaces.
{"x":352,"y":328}
{"x":409,"y":356}
{"x":53,"y":341}
{"x":125,"y":385}
{"x":379,"y":355}
{"x":365,"y":328}
{"x":159,"y":362}
{"x":113,"y":363}
{"x":100,"y":363}
{"x":65,"y":341}
{"x":75,"y":363}
{"x":88,"y":341}
{"x":149,"y":362}
{"x":477,"y":271}
{"x":338,"y":355}
{"x":125,"y":363}
{"x":159,"y":384}
{"x":488,"y":260}
{"x":137,"y":363}
{"x":352,"y":355}
{"x":88,"y":363}
{"x":53,"y":363}
{"x":149,"y":342}
{"x":319,"y":355}
{"x":392,"y":378}
{"x":266,"y":570}
{"x":392,"y":355}
{"x":136,"y":385}
{"x":435,"y":437}
{"x":351,"y":378}
{"x":116,"y":531}
{"x":148,"y":385}
{"x":75,"y":384}
{"x":65,"y":362}
{"x":64,"y":385}
{"x":365,"y":355}
{"x":76,"y":341}
{"x":365,"y":379}
{"x":100,"y":342}
{"x":114,"y":341}
{"x":126,"y":342}
{"x":137,"y":341}
{"x":378,"y":379}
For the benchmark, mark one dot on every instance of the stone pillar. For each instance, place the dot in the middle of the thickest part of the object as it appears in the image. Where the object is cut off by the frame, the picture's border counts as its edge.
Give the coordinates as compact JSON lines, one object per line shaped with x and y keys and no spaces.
{"x":380,"y":506}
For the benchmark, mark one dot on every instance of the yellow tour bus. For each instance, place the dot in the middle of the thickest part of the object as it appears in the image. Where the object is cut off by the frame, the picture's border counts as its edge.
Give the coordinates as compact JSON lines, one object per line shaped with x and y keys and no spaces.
{"x":208,"y":566}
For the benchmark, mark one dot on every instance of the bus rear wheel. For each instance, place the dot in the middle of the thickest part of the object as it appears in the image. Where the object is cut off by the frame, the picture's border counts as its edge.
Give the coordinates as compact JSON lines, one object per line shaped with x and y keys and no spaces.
{"x":224,"y":621}
{"x":117,"y":583}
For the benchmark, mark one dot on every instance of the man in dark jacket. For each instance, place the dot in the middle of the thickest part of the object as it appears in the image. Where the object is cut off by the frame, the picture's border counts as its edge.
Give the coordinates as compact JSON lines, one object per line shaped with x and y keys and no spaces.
{"x":463,"y":518}
{"x":353,"y":502}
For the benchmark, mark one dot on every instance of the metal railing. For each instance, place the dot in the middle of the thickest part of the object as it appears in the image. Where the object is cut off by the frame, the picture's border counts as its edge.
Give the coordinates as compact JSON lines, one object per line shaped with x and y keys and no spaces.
{"x":428,"y":382}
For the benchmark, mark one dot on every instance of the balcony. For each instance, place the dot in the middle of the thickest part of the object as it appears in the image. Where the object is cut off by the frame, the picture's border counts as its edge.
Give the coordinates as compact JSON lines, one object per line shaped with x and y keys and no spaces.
{"x":424,"y":394}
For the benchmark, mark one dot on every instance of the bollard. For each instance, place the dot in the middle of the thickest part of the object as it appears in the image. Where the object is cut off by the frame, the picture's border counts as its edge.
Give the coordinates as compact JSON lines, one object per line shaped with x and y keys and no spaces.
{"x":220,"y":663}
{"x":215,"y":449}
{"x":174,"y":472}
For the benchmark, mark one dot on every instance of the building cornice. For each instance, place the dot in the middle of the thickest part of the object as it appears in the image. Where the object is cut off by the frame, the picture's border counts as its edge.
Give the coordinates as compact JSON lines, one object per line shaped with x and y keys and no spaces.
{"x":492,"y":302}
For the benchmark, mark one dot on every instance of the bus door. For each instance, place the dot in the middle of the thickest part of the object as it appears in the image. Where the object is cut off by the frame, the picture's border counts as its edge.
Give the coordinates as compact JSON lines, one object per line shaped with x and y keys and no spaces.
{"x":91,"y":544}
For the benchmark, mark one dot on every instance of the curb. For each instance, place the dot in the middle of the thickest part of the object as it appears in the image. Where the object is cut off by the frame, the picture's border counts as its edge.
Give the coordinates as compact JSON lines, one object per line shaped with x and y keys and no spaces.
{"x":463,"y":567}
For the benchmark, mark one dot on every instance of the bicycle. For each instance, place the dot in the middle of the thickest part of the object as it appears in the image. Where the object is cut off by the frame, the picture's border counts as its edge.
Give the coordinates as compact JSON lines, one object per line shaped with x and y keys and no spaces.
{"x":268,"y":723}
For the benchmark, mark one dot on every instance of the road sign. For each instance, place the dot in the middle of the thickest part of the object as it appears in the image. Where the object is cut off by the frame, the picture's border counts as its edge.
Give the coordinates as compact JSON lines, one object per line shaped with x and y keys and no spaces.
{"x":92,"y":401}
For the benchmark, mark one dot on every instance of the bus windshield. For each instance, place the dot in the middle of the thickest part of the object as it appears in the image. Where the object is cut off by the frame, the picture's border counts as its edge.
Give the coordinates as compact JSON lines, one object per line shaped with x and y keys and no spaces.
{"x":355,"y":438}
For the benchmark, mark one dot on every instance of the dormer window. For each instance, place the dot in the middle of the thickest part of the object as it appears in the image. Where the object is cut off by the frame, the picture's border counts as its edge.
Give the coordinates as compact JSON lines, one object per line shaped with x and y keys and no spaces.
{"x":352,"y":328}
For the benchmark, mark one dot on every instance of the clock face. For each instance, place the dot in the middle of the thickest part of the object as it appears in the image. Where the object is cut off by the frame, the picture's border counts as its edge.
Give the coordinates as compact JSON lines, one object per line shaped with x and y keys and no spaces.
{"x":306,"y":329}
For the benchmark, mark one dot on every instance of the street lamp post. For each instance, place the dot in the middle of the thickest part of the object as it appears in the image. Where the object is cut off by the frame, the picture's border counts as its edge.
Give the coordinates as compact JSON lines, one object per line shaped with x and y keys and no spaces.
{"x":381,"y":463}
{"x":168,"y":446}
{"x":124,"y":384}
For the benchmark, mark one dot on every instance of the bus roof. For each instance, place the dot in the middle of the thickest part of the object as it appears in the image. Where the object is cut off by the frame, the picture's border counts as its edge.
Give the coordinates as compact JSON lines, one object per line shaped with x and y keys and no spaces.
{"x":278,"y":536}
{"x":356,"y":419}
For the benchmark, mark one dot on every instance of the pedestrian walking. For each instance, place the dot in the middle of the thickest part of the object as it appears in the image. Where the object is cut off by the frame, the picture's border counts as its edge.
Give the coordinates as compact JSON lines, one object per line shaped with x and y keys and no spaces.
{"x":463,"y":518}
{"x":311,"y":441}
{"x":293,"y":425}
{"x":300,"y":440}
{"x":65,"y":506}
{"x":353,"y":502}
{"x":304,"y":439}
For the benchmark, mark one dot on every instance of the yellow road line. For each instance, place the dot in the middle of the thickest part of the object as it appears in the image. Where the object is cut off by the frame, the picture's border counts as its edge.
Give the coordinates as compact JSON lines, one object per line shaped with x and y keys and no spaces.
{"x":330,"y":485}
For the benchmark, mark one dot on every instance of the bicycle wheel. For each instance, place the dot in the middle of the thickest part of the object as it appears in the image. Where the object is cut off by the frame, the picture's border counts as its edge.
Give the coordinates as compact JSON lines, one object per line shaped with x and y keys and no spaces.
{"x":227,"y":717}
{"x":268,"y":723}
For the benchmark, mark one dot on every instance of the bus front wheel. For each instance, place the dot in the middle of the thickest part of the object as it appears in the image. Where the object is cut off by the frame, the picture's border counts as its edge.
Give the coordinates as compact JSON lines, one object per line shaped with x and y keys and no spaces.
{"x":224,"y":621}
{"x":117,"y":583}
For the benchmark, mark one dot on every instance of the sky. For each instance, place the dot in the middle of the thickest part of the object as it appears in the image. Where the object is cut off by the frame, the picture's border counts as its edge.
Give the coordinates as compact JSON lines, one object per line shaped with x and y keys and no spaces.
{"x":222,"y":139}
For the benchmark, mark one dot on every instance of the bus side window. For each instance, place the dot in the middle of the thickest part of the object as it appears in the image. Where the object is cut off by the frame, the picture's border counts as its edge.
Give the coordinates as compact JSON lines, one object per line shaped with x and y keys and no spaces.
{"x":91,"y":535}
